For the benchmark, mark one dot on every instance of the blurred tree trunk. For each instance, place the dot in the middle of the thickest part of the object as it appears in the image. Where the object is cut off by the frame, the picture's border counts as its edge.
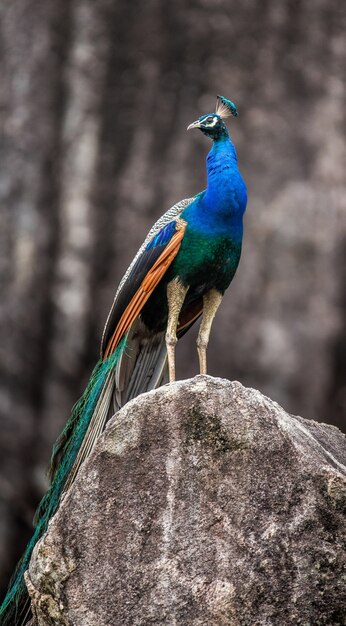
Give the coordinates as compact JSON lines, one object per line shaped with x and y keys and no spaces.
{"x":95,"y":101}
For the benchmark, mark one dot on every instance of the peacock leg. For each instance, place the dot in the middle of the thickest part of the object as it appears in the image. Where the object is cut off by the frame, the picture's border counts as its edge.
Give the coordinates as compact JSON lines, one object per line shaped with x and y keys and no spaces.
{"x":176,"y":293}
{"x":211,"y":303}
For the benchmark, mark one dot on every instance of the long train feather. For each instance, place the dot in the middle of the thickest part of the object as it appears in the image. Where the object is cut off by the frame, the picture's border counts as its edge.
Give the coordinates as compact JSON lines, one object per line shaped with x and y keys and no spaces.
{"x":92,"y":406}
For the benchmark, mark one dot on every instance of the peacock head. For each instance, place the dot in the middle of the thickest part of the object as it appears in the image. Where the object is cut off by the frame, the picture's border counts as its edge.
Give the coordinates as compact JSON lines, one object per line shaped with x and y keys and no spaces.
{"x":212,"y":124}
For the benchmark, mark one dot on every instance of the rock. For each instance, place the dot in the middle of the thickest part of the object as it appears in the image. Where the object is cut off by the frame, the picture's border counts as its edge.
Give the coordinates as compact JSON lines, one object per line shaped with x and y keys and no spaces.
{"x":203,"y":503}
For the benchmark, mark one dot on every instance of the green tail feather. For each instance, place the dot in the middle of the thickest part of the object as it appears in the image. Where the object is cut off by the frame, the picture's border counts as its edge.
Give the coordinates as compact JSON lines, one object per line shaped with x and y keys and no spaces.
{"x":65,"y":450}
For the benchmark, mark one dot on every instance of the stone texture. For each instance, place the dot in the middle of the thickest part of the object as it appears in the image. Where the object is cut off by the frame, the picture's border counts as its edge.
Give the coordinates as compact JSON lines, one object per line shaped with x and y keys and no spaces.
{"x":203,"y":503}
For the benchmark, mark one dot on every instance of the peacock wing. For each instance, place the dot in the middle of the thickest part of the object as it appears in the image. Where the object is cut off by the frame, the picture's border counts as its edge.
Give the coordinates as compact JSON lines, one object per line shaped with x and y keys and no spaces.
{"x":144,"y":277}
{"x":147,"y":267}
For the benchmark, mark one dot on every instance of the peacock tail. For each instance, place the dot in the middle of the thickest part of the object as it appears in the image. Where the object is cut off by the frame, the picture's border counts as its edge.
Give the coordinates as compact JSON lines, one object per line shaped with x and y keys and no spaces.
{"x":68,"y":453}
{"x":109,"y":384}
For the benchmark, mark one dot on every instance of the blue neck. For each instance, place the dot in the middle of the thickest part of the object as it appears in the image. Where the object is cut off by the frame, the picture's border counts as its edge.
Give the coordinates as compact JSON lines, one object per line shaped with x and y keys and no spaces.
{"x":220,"y":208}
{"x":222,"y":164}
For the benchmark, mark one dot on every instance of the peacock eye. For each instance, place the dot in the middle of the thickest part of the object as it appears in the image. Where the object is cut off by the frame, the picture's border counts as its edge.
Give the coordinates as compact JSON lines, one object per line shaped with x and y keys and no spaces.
{"x":211,"y":121}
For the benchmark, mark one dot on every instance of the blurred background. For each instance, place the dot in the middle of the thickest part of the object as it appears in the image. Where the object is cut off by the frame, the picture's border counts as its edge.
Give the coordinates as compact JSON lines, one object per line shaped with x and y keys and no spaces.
{"x":95,"y":99}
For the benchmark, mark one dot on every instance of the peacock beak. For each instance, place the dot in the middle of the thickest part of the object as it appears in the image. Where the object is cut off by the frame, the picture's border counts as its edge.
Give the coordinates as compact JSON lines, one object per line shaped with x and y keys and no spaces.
{"x":195,"y":124}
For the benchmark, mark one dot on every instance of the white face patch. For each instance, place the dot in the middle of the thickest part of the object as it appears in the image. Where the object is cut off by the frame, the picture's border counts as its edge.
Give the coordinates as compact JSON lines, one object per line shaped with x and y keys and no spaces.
{"x":213,"y":121}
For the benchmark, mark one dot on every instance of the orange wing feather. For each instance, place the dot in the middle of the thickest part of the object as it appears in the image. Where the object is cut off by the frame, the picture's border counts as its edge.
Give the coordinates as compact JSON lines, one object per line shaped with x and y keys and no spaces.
{"x":145,"y":290}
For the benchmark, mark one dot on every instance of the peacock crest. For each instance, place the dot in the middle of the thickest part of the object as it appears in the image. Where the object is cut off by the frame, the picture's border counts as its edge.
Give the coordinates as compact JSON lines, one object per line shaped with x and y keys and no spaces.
{"x":225,"y":108}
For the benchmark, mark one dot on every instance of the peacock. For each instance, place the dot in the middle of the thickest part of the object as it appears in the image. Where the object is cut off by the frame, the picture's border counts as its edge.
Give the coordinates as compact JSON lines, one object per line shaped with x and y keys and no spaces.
{"x":179,"y":274}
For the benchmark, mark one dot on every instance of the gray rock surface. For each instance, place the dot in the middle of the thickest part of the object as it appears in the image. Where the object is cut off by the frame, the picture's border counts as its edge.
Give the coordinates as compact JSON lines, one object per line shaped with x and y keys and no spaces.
{"x":203,"y":503}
